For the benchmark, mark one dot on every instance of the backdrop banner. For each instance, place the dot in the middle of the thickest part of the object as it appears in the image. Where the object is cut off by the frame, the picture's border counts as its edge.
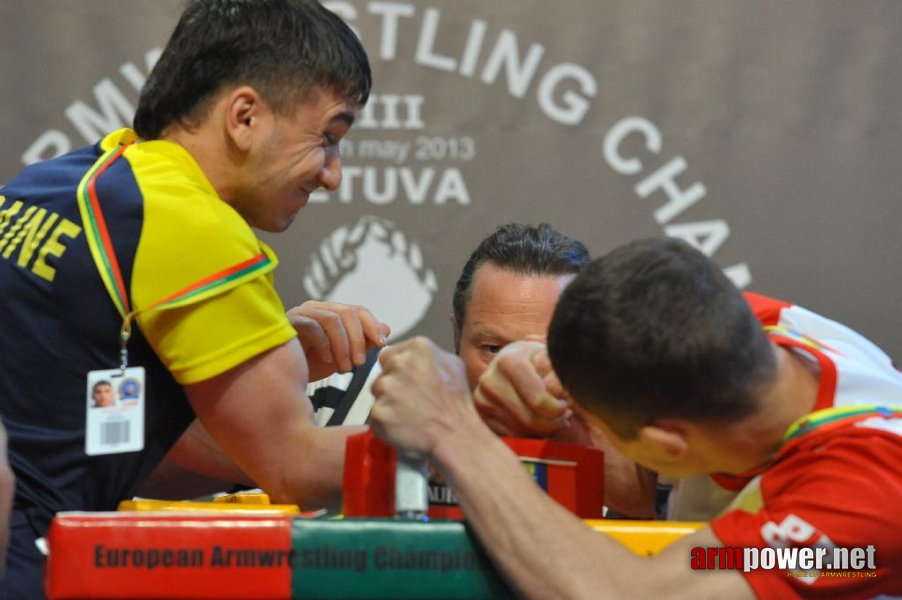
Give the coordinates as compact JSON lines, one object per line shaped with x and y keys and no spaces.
{"x":765,"y":133}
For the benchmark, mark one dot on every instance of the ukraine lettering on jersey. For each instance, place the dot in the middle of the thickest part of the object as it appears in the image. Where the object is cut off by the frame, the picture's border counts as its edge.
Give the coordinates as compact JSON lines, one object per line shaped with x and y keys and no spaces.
{"x":34,"y":238}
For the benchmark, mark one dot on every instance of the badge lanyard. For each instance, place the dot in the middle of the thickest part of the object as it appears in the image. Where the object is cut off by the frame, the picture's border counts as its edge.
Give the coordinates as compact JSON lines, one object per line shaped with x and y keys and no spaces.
{"x":838,"y":416}
{"x":108,"y":265}
{"x":114,"y":414}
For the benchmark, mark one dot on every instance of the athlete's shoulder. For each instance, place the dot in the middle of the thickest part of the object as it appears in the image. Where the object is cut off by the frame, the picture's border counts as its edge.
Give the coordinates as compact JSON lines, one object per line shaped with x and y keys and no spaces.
{"x":189,"y":234}
{"x":52,"y":173}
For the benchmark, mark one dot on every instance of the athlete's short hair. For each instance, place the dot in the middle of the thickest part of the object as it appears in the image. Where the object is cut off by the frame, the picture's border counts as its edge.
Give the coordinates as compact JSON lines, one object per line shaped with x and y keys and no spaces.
{"x":654,"y":330}
{"x":285,"y":49}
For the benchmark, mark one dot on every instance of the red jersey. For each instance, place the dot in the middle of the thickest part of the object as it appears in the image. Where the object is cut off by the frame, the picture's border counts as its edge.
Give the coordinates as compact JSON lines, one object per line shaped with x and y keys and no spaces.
{"x":837,"y":481}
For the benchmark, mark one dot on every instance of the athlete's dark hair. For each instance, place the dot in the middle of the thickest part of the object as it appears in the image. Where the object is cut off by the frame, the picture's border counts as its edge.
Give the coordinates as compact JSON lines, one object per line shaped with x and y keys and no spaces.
{"x":524,"y":249}
{"x":654,"y":330}
{"x":284,"y":49}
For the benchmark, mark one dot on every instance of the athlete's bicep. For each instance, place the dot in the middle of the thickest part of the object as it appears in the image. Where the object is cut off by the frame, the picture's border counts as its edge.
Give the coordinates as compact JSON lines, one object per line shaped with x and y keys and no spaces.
{"x":259,"y":414}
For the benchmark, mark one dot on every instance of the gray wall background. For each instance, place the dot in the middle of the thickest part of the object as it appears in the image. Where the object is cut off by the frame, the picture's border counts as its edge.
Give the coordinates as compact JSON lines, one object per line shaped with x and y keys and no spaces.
{"x":766,"y":131}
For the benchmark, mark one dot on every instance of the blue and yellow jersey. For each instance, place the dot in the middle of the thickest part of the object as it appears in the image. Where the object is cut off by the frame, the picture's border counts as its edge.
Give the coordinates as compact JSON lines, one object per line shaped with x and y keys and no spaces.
{"x":196,"y":277}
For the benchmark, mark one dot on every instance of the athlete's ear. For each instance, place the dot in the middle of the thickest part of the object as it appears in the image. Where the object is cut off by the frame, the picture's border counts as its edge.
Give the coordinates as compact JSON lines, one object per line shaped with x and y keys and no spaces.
{"x":669,"y":437}
{"x":244,"y":109}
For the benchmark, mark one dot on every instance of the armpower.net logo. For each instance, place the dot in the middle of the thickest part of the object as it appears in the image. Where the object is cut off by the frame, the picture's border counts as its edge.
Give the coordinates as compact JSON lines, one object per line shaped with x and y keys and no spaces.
{"x":797,"y":548}
{"x":830,"y":562}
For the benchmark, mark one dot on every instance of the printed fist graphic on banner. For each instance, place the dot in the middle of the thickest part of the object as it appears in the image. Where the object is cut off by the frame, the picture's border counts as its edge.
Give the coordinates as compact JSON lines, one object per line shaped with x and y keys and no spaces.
{"x":374,"y":264}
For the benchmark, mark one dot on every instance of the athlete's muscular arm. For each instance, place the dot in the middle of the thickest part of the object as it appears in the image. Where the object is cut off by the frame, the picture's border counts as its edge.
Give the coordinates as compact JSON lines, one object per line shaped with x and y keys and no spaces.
{"x":423,"y":405}
{"x":259,"y":415}
{"x":195,"y":466}
{"x":334,"y":337}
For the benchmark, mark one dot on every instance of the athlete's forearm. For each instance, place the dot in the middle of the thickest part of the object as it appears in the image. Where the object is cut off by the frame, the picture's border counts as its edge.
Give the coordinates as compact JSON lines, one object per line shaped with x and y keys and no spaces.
{"x":543,"y":550}
{"x":197,"y":451}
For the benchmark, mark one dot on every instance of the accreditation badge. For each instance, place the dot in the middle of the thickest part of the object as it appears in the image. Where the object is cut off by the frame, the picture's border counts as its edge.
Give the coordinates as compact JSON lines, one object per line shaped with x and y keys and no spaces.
{"x":115,"y":411}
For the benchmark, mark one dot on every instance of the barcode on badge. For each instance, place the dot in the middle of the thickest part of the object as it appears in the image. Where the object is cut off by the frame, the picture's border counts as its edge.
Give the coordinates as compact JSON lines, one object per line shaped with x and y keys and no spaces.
{"x":113,"y":433}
